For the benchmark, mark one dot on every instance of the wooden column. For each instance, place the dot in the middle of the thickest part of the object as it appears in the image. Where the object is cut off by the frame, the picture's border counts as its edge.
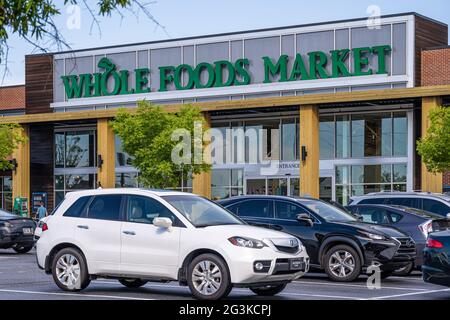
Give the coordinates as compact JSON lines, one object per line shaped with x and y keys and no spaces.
{"x":309,"y":139}
{"x":21,"y":174}
{"x":430,"y":182}
{"x":106,"y":149}
{"x":201,"y":183}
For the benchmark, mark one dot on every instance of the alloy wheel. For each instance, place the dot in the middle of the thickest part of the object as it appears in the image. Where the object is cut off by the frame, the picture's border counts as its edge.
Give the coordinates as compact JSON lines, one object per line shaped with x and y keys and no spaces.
{"x":68,"y":270}
{"x":206,"y":277}
{"x":341,"y":263}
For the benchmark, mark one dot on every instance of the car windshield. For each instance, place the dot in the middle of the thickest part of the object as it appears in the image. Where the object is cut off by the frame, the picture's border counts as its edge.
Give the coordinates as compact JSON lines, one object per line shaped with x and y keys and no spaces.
{"x":5,"y":214}
{"x":327,"y":211}
{"x":201,"y":212}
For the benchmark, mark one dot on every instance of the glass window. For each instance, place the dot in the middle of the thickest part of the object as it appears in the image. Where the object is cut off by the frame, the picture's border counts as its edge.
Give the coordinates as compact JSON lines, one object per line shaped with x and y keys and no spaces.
{"x":295,"y":187}
{"x":327,"y":211}
{"x":127,"y":180}
{"x":256,"y":186}
{"x":405,"y":202}
{"x":201,"y":212}
{"x":238,"y":141}
{"x":371,"y":135}
{"x":226,"y":183}
{"x":77,"y":208}
{"x":287,"y":211}
{"x":123,"y":159}
{"x":277,"y":187}
{"x":105,"y":207}
{"x":436,"y":207}
{"x":80,"y":181}
{"x":253,"y":208}
{"x":289,"y":139}
{"x":400,"y":134}
{"x":395,"y":217}
{"x":343,"y":136}
{"x":326,"y":137}
{"x":372,"y":201}
{"x":144,"y":210}
{"x":60,"y":147}
{"x":219,"y":152}
{"x":374,"y":215}
{"x":326,"y":188}
{"x":80,"y":149}
{"x":400,"y":172}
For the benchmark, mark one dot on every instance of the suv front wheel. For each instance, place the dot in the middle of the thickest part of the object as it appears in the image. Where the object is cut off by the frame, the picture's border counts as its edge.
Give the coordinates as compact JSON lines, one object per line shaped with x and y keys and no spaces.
{"x":69,"y":270}
{"x":342,"y":263}
{"x":208,"y":277}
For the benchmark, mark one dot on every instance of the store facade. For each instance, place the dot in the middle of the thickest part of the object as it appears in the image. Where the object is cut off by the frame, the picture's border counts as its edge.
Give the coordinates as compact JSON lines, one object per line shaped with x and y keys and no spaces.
{"x":328,"y":109}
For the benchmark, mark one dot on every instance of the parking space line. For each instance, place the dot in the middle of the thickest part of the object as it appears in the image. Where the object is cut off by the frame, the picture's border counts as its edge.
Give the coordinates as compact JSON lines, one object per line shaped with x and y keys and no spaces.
{"x":284,"y":293}
{"x":74,"y":294}
{"x":358,"y":286}
{"x":409,"y":294}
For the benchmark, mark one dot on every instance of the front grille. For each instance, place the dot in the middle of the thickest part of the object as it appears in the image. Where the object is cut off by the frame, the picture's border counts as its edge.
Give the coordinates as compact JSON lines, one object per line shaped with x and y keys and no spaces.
{"x":407,"y":246}
{"x":282,"y":266}
{"x":287,"y":249}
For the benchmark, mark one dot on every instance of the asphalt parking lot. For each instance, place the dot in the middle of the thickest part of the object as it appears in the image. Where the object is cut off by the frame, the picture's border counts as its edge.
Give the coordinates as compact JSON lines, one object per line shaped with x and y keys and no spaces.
{"x":21,"y":279}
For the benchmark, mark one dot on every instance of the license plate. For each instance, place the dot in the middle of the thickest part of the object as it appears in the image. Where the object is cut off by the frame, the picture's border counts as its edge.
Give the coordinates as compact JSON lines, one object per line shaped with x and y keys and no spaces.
{"x":297,"y":264}
{"x":27,"y":231}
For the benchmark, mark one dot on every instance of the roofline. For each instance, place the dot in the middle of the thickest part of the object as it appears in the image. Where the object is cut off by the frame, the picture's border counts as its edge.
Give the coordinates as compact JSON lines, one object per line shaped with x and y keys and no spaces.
{"x":12,"y":86}
{"x":436,"y":48}
{"x":241,"y":32}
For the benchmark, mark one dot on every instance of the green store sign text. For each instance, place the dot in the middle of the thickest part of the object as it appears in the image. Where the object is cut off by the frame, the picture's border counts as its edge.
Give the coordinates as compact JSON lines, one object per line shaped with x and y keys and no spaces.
{"x":210,"y":75}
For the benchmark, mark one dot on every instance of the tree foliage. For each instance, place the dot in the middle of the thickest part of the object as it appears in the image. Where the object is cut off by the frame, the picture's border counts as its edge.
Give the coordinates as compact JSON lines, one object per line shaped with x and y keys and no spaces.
{"x":434,"y":148}
{"x":10,"y":138}
{"x":147,"y":136}
{"x":33,"y":20}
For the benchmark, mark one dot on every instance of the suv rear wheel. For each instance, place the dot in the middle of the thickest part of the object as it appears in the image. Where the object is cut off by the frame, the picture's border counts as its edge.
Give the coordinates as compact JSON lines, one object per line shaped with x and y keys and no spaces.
{"x":69,"y":270}
{"x":342,"y":263}
{"x":208,"y":277}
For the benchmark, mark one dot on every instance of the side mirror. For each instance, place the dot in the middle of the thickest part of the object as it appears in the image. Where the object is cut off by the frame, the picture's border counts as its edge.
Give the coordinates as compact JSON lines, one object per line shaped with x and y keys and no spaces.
{"x":165,"y":223}
{"x":305,"y":218}
{"x":448,"y":216}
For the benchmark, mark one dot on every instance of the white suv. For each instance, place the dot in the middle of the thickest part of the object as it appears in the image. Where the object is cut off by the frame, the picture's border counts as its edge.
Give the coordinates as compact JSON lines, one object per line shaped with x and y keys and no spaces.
{"x":137,"y":235}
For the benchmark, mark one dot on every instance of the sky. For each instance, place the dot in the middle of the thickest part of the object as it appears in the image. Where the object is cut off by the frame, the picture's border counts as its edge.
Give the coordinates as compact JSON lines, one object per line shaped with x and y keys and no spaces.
{"x":184,"y":18}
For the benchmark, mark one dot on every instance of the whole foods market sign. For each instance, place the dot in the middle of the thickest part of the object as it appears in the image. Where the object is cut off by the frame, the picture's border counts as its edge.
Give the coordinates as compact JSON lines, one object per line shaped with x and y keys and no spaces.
{"x":225,"y":73}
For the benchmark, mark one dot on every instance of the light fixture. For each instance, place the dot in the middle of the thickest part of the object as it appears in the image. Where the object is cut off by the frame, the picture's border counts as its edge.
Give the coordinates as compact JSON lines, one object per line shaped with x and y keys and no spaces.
{"x":304,"y":153}
{"x":99,"y":161}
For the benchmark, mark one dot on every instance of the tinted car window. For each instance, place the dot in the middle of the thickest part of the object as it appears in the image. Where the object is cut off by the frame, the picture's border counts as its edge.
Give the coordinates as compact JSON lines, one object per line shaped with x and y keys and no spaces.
{"x":372,"y":201}
{"x":405,"y":202}
{"x":395,"y":217}
{"x":105,"y":207}
{"x":144,"y":210}
{"x":435,"y":207}
{"x":253,"y":208}
{"x":374,"y":215}
{"x":287,"y":211}
{"x":77,"y":208}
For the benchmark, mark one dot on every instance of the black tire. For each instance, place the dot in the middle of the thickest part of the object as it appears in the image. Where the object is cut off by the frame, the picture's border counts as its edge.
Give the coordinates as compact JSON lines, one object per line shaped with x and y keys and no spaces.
{"x":405,"y":271}
{"x":133,"y":283}
{"x":269,"y":290}
{"x":348,"y":275}
{"x":23,"y":249}
{"x":83,"y":279}
{"x":224,"y":287}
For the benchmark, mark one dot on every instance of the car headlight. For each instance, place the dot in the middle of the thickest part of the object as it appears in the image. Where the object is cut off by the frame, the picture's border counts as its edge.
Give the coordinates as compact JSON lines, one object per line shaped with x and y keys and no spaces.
{"x":5,"y":224}
{"x":247,"y":242}
{"x":372,"y":236}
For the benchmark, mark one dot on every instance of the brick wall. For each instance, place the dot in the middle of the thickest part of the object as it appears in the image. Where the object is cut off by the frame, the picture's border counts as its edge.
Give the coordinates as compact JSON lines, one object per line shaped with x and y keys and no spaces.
{"x":435,"y":66}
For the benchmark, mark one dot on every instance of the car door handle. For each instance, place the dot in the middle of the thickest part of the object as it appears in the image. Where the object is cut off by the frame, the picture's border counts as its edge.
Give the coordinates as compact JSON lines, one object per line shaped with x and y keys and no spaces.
{"x":130,"y":233}
{"x":82,"y":227}
{"x":276,"y":227}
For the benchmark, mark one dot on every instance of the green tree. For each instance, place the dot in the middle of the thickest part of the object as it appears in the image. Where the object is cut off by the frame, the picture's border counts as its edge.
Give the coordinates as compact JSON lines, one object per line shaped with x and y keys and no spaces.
{"x":10,"y":138}
{"x":148,"y":136}
{"x":33,"y":20}
{"x":434,"y":148}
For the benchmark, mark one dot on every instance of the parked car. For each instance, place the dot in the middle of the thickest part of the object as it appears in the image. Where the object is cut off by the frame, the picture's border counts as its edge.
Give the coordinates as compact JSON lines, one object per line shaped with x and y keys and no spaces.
{"x":334,"y":239}
{"x":415,"y":223}
{"x":436,"y":258}
{"x":16,"y":232}
{"x":426,"y":201}
{"x":137,"y":235}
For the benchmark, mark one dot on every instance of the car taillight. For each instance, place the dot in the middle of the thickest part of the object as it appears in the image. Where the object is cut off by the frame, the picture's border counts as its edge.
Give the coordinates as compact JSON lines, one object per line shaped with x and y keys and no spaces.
{"x":431,"y":243}
{"x":426,"y":228}
{"x":44,"y":227}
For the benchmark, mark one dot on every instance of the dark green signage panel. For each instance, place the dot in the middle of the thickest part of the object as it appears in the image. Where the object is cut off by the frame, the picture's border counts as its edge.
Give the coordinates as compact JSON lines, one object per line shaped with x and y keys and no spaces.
{"x":223,"y":73}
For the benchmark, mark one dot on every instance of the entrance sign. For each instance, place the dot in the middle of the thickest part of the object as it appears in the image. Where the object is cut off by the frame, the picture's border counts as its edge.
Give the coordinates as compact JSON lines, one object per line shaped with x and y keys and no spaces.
{"x":311,"y":66}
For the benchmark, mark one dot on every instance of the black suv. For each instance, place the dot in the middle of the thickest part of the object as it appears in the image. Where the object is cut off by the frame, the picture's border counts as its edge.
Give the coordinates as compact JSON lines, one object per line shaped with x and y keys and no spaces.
{"x":336,"y":241}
